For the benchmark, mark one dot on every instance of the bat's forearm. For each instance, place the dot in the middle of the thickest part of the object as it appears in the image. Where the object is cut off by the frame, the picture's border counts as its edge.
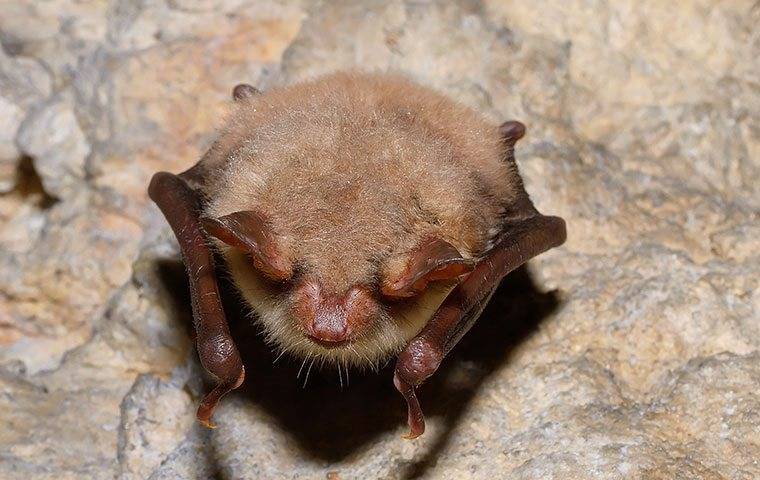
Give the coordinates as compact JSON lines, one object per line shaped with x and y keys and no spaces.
{"x":424,"y":353}
{"x":216,"y":349}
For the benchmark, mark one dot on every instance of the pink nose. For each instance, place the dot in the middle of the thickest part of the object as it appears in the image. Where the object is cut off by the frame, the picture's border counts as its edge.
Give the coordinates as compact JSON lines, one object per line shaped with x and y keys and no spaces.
{"x":332,"y":319}
{"x":330,"y":325}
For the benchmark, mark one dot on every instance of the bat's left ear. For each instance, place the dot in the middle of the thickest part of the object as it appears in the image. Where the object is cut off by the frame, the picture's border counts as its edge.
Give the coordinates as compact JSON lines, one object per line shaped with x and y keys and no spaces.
{"x":511,"y":131}
{"x":433,"y":259}
{"x":244,"y":91}
{"x":249,"y":231}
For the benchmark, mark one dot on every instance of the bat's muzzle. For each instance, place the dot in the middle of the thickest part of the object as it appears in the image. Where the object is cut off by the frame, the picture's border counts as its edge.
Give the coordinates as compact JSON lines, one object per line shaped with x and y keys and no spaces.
{"x":332,"y":319}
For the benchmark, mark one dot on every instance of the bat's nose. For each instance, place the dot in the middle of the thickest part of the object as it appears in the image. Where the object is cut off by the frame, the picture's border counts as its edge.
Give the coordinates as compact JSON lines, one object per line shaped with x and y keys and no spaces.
{"x":329,"y":325}
{"x":332,"y":319}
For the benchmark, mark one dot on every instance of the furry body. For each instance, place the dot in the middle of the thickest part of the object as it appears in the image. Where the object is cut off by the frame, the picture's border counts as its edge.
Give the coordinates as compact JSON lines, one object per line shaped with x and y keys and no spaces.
{"x":353,"y":170}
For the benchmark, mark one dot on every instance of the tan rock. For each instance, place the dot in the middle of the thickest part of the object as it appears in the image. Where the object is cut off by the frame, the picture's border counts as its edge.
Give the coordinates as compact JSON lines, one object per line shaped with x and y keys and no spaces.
{"x":631,"y":352}
{"x":52,"y":138}
{"x":23,"y":83}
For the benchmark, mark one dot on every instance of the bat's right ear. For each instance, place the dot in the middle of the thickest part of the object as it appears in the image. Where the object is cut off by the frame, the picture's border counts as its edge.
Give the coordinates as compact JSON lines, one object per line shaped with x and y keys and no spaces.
{"x":249,"y":231}
{"x":433,"y":259}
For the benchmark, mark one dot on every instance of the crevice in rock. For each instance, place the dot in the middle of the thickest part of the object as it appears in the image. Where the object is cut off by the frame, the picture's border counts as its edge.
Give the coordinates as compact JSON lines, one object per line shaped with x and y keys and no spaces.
{"x":10,"y":45}
{"x":29,"y":185}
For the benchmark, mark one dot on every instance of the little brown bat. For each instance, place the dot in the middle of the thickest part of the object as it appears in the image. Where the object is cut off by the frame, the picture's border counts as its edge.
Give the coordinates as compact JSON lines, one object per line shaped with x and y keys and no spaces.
{"x":361,"y":216}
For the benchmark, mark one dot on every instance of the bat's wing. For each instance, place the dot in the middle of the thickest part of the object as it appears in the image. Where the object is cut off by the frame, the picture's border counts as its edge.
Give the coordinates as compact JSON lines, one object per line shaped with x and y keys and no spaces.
{"x":523,"y":237}
{"x":180,"y":199}
{"x":422,"y":356}
{"x":217,"y":351}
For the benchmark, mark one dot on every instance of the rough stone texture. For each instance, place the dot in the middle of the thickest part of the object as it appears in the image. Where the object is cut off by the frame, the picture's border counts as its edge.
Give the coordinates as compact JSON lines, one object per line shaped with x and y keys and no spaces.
{"x":51,"y":136}
{"x":23,"y":83}
{"x":630,"y":352}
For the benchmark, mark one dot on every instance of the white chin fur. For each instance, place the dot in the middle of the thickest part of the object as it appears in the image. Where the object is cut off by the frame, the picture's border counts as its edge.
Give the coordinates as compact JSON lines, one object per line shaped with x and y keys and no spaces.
{"x":386,"y":338}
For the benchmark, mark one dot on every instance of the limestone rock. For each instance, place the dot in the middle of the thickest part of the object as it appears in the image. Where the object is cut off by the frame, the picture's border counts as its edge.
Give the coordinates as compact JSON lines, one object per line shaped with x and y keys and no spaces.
{"x":52,"y":138}
{"x":633,"y":351}
{"x":23,"y":83}
{"x":155,"y":418}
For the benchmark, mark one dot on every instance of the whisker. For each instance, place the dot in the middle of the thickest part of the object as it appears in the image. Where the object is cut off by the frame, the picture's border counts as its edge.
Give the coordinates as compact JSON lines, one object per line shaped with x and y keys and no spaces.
{"x":340,"y":377}
{"x":308,"y":371}
{"x":356,"y":352}
{"x":298,"y":375}
{"x":279,"y":356}
{"x":288,"y":349}
{"x":364,"y":355}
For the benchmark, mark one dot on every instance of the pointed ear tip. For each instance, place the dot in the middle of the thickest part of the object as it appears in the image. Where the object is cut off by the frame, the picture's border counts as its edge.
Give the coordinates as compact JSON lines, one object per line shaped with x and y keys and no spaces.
{"x":244,"y":90}
{"x":512,"y":130}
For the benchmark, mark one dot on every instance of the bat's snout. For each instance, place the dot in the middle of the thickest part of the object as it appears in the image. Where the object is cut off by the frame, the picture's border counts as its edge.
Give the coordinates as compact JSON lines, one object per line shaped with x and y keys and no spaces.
{"x":329,"y":327}
{"x":329,"y":319}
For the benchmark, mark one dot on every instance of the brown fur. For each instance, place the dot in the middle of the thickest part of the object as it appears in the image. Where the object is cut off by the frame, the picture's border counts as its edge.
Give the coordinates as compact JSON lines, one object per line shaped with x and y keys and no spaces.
{"x":353,"y":170}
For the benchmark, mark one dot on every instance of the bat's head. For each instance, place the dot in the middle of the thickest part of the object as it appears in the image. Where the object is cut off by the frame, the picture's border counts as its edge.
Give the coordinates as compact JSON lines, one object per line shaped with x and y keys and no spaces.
{"x":348,"y":207}
{"x":357,"y":314}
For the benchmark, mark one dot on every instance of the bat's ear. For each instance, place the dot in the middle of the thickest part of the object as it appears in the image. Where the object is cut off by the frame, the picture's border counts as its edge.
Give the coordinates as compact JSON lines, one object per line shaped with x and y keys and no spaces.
{"x":511,"y":131}
{"x":244,"y":91}
{"x":249,"y":231}
{"x":433,"y":259}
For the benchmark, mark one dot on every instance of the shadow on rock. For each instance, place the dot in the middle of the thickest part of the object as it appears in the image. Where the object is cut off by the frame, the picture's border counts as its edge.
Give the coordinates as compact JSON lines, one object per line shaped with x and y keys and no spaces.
{"x":330,"y":422}
{"x":513,"y":314}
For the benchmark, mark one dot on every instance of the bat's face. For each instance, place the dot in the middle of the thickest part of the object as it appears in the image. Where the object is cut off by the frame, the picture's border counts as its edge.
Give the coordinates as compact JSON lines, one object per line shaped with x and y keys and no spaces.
{"x":359,"y":182}
{"x":361,"y":323}
{"x":359,"y":326}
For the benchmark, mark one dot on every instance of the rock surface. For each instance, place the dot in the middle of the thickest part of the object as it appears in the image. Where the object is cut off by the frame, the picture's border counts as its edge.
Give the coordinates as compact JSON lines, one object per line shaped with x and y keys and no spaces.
{"x":630,"y":352}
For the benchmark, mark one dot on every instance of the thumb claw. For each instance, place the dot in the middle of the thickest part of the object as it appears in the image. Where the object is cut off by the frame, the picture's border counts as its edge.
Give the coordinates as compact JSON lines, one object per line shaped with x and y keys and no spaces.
{"x":415,"y":417}
{"x":207,"y":423}
{"x":414,"y":432}
{"x":204,"y":415}
{"x":211,"y":400}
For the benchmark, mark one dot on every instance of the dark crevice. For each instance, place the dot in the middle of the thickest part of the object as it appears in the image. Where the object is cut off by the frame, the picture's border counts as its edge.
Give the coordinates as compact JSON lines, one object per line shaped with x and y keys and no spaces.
{"x":29,"y":185}
{"x":10,"y":45}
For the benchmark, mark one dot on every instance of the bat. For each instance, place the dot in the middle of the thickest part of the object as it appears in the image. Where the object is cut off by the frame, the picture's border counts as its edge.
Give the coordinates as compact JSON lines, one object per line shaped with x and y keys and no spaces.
{"x":361,"y":216}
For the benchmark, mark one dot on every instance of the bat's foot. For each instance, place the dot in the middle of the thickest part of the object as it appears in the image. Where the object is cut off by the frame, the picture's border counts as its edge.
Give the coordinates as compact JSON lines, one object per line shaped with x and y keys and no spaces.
{"x":416,"y":363}
{"x":211,"y":400}
{"x":415,"y":417}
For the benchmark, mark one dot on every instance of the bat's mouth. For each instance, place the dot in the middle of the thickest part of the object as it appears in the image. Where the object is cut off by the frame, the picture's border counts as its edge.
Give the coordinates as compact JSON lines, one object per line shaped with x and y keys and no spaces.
{"x":328,"y":344}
